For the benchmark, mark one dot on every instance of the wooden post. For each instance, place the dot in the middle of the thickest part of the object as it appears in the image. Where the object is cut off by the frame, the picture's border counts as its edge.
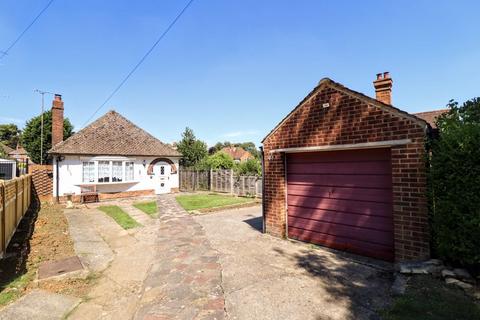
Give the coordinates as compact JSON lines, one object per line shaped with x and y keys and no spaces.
{"x":16,"y":202}
{"x":232,"y":191}
{"x":210,"y":182}
{"x":2,"y":218}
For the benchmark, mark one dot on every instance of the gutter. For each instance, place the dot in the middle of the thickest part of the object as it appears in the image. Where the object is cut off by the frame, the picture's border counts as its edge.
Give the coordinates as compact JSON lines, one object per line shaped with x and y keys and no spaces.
{"x":263,"y":189}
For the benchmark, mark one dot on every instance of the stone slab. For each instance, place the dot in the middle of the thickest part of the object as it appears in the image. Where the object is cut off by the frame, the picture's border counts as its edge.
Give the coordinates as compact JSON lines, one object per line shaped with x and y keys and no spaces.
{"x":39,"y":305}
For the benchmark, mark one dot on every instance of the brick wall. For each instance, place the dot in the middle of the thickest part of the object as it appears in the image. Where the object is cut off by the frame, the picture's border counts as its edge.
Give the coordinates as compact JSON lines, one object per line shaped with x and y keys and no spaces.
{"x":350,"y":119}
{"x":42,"y":180}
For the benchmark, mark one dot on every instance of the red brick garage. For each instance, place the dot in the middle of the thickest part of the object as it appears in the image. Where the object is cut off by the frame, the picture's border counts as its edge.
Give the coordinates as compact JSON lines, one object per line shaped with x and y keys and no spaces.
{"x":347,"y":171}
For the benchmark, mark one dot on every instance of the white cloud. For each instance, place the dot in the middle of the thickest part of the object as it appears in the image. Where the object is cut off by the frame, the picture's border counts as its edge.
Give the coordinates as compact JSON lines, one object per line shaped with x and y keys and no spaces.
{"x":236,"y":134}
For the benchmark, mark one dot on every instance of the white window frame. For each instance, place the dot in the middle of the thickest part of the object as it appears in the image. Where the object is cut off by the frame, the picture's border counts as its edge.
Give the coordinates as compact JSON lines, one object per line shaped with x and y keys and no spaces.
{"x":96,"y":165}
{"x":92,"y":163}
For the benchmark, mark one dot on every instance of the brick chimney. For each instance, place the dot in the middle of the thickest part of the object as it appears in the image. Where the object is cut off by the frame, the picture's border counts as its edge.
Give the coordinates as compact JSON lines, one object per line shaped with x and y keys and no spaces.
{"x":383,"y":87}
{"x":57,"y":119}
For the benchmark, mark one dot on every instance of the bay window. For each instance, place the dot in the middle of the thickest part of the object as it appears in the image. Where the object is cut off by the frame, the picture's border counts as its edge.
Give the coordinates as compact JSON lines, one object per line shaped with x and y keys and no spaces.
{"x":117,"y":171}
{"x":107,"y":171}
{"x":103,"y":171}
{"x":88,"y":172}
{"x":129,"y":171}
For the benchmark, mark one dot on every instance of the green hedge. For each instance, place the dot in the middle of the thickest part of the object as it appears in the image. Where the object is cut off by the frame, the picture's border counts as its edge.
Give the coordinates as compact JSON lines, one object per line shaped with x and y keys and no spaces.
{"x":455,"y":185}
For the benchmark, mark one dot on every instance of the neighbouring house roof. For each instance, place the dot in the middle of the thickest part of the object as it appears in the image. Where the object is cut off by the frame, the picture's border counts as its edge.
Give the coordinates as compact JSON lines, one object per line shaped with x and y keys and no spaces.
{"x":6,"y":149}
{"x":431,"y":116}
{"x":113,"y":134}
{"x":237,"y":153}
{"x":326,"y":82}
{"x":20,"y":151}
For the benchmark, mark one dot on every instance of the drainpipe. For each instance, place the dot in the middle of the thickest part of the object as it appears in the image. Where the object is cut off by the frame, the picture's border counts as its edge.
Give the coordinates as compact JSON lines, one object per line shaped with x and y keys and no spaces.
{"x":56,"y":178}
{"x":263,"y":189}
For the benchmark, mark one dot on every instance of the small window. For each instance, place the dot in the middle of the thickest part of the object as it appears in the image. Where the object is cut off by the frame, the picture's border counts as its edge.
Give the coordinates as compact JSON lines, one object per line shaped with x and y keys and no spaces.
{"x":117,"y":171}
{"x":162,"y":170}
{"x":103,"y":171}
{"x":129,"y":171}
{"x":88,"y":172}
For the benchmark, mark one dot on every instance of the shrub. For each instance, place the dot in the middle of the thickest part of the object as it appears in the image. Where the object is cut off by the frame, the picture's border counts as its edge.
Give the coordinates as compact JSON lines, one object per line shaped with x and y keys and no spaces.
{"x":219,"y":160}
{"x":455,"y":185}
{"x":249,"y":167}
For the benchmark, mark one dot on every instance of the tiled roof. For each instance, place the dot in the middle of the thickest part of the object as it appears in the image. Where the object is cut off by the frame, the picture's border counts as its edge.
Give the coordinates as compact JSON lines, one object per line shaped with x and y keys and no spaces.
{"x":237,"y":152}
{"x":113,"y":134}
{"x":19,"y":151}
{"x":6,"y":149}
{"x":431,"y":116}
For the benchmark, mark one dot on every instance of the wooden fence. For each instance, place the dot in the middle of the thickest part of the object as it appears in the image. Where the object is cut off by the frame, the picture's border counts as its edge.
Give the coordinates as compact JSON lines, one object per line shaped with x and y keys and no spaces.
{"x":15,"y":199}
{"x":225,"y":181}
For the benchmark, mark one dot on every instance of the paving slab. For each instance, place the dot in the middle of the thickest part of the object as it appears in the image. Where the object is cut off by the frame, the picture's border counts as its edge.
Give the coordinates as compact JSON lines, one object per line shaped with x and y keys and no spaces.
{"x":40,"y":305}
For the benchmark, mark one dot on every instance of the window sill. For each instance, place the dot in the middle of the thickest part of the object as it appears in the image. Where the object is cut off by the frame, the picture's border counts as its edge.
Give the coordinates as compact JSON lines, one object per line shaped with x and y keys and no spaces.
{"x":105,"y":183}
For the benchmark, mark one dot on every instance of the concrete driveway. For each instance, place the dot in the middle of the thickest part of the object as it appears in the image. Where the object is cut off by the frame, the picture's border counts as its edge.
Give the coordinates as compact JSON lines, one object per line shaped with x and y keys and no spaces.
{"x":268,"y":278}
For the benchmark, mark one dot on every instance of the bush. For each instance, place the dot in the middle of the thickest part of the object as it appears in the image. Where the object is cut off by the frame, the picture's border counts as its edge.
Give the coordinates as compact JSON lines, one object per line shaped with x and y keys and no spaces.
{"x":455,"y":185}
{"x":249,"y":167}
{"x":219,"y":160}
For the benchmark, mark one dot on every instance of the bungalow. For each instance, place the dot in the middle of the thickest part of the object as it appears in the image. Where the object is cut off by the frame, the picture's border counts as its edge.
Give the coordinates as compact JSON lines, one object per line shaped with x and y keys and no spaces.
{"x":112,"y":157}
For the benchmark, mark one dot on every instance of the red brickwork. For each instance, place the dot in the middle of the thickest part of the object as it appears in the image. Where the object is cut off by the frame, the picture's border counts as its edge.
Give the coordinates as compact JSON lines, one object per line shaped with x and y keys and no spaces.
{"x":353,"y":118}
{"x":57,"y":120}
{"x":111,"y":196}
{"x":42,"y":179}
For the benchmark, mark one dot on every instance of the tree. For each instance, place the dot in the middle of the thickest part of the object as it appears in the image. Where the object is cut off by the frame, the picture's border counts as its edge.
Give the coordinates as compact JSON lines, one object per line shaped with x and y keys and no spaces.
{"x":454,"y":184}
{"x":219,"y":160}
{"x":9,"y":135}
{"x":192,"y":149}
{"x":31,"y":139}
{"x":249,"y":167}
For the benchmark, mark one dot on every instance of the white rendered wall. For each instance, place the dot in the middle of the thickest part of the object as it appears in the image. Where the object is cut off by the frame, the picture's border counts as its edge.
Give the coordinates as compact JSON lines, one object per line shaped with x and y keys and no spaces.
{"x":70,"y":173}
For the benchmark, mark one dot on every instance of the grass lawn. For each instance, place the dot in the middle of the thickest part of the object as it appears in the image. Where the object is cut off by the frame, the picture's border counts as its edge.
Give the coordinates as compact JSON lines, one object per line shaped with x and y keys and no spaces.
{"x":149,"y":208}
{"x":428,"y":298}
{"x":207,"y":201}
{"x":120,"y":216}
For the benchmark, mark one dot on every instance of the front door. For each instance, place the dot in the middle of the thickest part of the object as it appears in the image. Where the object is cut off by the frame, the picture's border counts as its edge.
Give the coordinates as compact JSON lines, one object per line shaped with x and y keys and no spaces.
{"x":163,"y":173}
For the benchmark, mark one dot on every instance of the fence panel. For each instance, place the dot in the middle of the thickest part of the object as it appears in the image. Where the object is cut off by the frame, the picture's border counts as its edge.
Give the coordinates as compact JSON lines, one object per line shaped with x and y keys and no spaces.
{"x":223,"y":181}
{"x":15,"y":199}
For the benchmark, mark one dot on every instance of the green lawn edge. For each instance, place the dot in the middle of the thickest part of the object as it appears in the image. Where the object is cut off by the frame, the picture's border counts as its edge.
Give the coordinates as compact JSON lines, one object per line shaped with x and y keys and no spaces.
{"x":209,"y":201}
{"x":120,"y":217}
{"x":148,"y":207}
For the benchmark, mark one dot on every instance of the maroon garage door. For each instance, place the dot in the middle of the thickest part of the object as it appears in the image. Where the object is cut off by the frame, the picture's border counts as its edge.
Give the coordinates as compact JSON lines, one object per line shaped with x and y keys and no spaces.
{"x":343,"y":200}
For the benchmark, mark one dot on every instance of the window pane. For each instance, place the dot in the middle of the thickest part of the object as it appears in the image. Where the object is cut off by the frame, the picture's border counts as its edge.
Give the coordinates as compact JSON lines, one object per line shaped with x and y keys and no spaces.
{"x":103,"y":171}
{"x":117,"y":171}
{"x":88,"y":172}
{"x":128,"y":171}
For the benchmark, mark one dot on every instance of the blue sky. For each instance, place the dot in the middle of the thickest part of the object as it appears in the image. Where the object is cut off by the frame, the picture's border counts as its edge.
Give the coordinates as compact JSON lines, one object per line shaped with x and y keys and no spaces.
{"x":231,"y":70}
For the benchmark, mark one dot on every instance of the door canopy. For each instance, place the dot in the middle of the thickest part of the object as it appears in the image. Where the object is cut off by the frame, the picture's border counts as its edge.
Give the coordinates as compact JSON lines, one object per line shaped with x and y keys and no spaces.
{"x":154,"y":162}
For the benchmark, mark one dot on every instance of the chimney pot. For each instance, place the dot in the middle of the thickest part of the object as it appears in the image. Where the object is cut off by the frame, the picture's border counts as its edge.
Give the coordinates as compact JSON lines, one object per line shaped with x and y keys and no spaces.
{"x":58,"y":97}
{"x":383,"y":87}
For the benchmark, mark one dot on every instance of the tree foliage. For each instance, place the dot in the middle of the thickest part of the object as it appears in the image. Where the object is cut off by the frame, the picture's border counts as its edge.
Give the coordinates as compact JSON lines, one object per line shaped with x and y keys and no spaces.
{"x":31,"y":136}
{"x":249,"y":167}
{"x":9,"y":135}
{"x":455,"y":184}
{"x":219,"y":160}
{"x":192,"y":149}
